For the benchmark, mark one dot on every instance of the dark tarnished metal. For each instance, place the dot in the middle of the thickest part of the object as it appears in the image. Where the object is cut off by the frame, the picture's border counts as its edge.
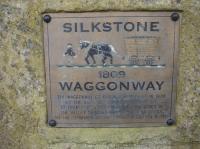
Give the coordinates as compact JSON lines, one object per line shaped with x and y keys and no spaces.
{"x":111,"y":69}
{"x":47,"y":18}
{"x":52,"y":123}
{"x":170,"y":122}
{"x":175,"y":16}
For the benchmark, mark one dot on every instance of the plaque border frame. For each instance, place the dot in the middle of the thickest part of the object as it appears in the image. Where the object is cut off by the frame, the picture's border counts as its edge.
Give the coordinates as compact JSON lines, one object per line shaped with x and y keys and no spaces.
{"x":111,"y":125}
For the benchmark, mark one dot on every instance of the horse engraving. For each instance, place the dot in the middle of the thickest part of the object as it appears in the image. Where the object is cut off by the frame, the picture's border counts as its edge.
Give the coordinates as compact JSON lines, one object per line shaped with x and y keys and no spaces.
{"x":97,"y":48}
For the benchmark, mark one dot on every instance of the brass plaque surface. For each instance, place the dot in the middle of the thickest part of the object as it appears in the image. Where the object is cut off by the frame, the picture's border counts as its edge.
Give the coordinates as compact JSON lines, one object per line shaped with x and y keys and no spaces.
{"x":111,"y":69}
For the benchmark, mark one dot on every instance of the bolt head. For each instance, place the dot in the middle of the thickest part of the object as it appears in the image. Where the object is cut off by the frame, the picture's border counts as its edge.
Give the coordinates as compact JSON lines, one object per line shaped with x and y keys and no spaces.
{"x":175,"y":16}
{"x":170,"y":122}
{"x":52,"y":123}
{"x":47,"y":18}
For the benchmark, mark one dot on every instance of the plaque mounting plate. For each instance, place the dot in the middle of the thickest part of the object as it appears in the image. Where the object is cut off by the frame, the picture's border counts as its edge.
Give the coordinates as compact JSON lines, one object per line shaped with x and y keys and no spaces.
{"x":111,"y":69}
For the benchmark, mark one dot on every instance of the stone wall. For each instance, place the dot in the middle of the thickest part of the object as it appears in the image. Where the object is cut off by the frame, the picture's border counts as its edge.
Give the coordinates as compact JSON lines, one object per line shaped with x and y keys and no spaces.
{"x":22,"y":81}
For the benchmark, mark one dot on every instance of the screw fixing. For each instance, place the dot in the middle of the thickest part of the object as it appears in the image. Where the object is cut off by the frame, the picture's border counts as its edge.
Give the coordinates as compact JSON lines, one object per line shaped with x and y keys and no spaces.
{"x":47,"y":18}
{"x":170,"y":122}
{"x":175,"y":16}
{"x":52,"y":123}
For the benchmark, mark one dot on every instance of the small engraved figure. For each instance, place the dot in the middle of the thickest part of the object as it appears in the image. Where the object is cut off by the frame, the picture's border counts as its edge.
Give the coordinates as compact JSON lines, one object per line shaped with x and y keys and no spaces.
{"x":69,"y":53}
{"x":97,"y":49}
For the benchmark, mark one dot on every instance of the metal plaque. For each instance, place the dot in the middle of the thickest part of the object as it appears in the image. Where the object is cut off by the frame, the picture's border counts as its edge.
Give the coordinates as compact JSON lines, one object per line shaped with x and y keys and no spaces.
{"x":111,"y":69}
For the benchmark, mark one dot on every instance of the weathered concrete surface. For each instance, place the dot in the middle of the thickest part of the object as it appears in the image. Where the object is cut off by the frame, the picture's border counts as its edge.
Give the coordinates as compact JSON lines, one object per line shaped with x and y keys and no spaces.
{"x":22,"y":83}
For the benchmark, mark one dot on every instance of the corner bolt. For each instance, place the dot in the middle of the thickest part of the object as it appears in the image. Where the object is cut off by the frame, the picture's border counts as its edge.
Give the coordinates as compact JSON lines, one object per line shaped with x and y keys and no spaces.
{"x":47,"y":18}
{"x":170,"y":122}
{"x":175,"y":16}
{"x":52,"y":123}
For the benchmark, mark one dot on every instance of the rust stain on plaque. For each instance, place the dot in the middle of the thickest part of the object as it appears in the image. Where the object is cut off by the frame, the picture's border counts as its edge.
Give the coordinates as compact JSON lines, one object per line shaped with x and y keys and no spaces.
{"x":111,"y":69}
